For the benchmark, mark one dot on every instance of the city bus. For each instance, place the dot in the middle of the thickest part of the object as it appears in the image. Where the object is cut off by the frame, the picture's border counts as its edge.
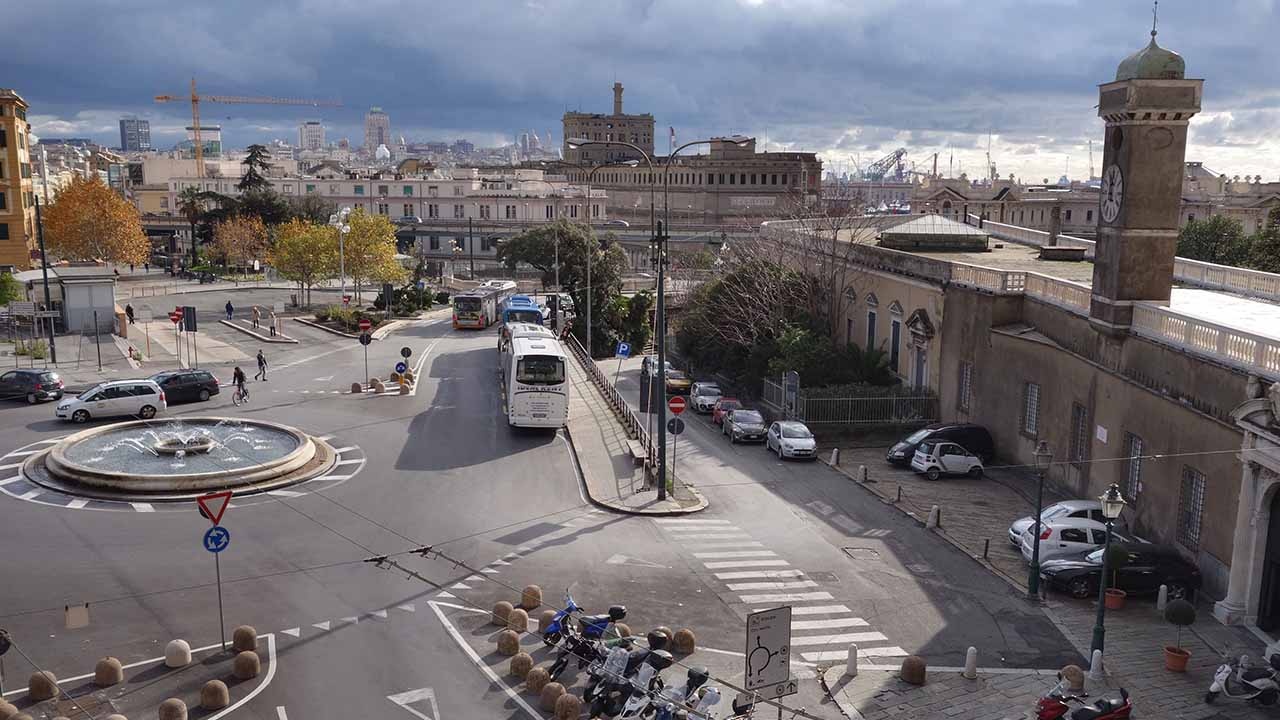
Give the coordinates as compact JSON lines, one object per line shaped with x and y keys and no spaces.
{"x":535,"y":383}
{"x":478,"y":308}
{"x":521,"y":308}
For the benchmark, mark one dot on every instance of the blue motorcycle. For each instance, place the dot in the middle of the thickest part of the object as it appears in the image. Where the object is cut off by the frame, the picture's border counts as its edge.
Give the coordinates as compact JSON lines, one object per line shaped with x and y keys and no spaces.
{"x":590,"y":627}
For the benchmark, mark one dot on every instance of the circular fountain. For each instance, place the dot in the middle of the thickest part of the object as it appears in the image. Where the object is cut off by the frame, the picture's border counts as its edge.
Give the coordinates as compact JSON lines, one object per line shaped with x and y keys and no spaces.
{"x":180,"y":459}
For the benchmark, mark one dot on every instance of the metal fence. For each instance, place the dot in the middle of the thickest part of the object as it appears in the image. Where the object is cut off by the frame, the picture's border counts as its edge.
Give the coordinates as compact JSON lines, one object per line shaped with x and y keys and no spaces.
{"x":631,"y":419}
{"x":886,"y":410}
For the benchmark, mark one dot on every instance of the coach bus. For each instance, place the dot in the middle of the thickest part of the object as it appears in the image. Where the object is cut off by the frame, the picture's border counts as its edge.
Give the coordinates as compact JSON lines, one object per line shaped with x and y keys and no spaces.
{"x":519,"y":330}
{"x":478,"y":308}
{"x":535,"y":384}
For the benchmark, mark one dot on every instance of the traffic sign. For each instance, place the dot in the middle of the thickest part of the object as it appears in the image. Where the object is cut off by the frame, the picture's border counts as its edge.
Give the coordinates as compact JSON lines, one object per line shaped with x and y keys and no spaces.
{"x":365,"y":339}
{"x":177,"y":311}
{"x":624,"y":350}
{"x":365,"y":324}
{"x":675,"y":426}
{"x":346,"y":300}
{"x":406,"y":351}
{"x":175,"y":317}
{"x":768,"y":653}
{"x":213,"y":505}
{"x":676,"y":405}
{"x":401,"y":367}
{"x":216,"y":539}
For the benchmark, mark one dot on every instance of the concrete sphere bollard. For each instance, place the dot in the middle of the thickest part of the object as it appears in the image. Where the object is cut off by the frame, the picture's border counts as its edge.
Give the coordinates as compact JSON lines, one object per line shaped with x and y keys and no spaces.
{"x":7,"y":711}
{"x":568,"y":707}
{"x":408,"y":375}
{"x":551,"y":692}
{"x":214,"y":695}
{"x":913,"y":670}
{"x":42,"y":686}
{"x":518,"y":620}
{"x":508,"y":642}
{"x":531,"y":597}
{"x":244,"y":638}
{"x":666,"y":631}
{"x":684,"y":641}
{"x":395,"y":376}
{"x":404,"y":389}
{"x":116,"y":716}
{"x":378,"y":385}
{"x":623,"y":629}
{"x":177,"y":654}
{"x":173,"y":709}
{"x":501,"y":610}
{"x":1074,"y":676}
{"x":246,"y":665}
{"x":544,"y":619}
{"x":521,"y":664}
{"x":356,"y":388}
{"x":537,"y":679}
{"x":108,"y":672}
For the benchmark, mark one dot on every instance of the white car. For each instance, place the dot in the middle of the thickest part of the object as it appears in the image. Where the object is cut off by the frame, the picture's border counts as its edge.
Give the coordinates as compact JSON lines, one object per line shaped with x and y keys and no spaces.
{"x":1083,"y":509}
{"x":791,"y":439}
{"x":141,"y":399}
{"x":1068,"y":537}
{"x":936,"y":458}
{"x":704,"y":395}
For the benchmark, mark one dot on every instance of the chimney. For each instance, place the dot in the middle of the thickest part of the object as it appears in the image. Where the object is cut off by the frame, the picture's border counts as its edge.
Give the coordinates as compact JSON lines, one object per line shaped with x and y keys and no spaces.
{"x":617,"y":98}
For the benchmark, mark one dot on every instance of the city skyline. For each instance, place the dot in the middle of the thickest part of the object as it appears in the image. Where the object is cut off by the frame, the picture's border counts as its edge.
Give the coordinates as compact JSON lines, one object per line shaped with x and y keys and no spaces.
{"x":849,"y":83}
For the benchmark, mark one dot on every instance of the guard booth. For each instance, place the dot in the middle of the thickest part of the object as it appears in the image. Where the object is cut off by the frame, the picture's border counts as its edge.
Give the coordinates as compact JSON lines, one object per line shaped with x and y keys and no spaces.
{"x":75,"y":292}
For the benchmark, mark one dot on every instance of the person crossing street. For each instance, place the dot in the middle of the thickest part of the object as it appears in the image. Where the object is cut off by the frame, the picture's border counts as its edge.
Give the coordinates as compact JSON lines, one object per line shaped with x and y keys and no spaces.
{"x":230,"y":309}
{"x":262,"y":367}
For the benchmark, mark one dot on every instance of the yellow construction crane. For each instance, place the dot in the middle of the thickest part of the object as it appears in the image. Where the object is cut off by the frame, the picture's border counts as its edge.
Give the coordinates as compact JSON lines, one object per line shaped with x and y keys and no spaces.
{"x":196,"y":99}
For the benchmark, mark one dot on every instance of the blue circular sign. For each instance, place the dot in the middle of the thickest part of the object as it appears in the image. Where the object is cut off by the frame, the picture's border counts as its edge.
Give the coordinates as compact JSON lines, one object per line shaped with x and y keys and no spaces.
{"x":401,"y":367}
{"x":216,"y":539}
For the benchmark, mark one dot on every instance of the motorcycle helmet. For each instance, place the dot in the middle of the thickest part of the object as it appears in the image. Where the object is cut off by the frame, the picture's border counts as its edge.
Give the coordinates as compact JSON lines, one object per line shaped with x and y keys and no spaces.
{"x":657,"y":640}
{"x":1274,"y":661}
{"x":660,"y":659}
{"x":698,"y":675}
{"x":617,"y":612}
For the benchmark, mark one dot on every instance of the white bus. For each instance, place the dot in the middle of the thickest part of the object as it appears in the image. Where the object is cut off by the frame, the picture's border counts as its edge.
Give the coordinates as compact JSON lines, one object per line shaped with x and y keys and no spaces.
{"x":519,"y":330}
{"x":536,"y":383}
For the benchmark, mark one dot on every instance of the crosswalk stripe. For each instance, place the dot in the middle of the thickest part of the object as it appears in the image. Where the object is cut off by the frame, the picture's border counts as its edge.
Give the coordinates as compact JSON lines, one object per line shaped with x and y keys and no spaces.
{"x":13,"y":479}
{"x":143,"y":507}
{"x":828,"y":624}
{"x":747,"y":574}
{"x":818,"y":610}
{"x":682,"y":521}
{"x":715,"y":536}
{"x":703,"y":528}
{"x":77,"y":503}
{"x":736,"y":587}
{"x":891,"y":651}
{"x":785,"y":597}
{"x":736,"y":554}
{"x":841,"y":639}
{"x":727,"y":545}
{"x":344,"y":449}
{"x":745,"y":563}
{"x":28,"y":495}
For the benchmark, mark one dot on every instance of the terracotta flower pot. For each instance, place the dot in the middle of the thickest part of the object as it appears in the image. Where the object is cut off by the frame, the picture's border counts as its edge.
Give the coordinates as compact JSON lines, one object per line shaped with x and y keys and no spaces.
{"x":1175,"y":658}
{"x":1115,"y":599}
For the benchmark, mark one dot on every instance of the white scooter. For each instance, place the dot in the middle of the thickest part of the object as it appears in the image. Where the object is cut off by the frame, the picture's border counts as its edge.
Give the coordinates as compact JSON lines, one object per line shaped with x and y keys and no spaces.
{"x":1244,"y":682}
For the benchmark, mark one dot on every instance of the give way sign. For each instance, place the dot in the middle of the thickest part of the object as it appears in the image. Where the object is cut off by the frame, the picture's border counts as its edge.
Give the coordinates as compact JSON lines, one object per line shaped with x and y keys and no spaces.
{"x":213,"y":505}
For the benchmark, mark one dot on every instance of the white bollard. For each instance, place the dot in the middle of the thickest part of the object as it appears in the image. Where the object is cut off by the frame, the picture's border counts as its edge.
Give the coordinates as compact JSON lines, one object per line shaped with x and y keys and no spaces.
{"x":971,"y":663}
{"x":835,"y":457}
{"x":851,"y":665}
{"x":1095,"y":666}
{"x":1163,"y":598}
{"x":862,"y":473}
{"x":935,"y":517}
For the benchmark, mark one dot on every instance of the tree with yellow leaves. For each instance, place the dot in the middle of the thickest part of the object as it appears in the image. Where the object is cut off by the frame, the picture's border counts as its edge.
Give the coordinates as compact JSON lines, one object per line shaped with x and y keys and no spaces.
{"x":89,"y":221}
{"x":370,"y":250}
{"x":306,"y":253}
{"x":240,"y":239}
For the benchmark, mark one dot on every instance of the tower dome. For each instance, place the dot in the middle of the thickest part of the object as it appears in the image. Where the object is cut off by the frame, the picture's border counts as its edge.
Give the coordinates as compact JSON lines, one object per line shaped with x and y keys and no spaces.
{"x":1152,"y":63}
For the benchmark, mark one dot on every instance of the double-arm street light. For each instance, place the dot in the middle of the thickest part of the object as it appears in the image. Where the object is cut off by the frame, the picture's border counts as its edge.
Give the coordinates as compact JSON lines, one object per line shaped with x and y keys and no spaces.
{"x":339,"y":222}
{"x":1112,"y":505}
{"x":1044,"y":458}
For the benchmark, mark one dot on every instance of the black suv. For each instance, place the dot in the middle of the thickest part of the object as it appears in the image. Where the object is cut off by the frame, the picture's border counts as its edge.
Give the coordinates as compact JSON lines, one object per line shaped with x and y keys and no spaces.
{"x":30,"y":385}
{"x":186,"y":385}
{"x":973,"y":438}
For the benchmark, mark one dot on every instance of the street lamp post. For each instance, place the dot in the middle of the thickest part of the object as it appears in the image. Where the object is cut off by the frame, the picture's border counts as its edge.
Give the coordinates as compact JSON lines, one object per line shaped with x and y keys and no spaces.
{"x":339,"y":221}
{"x":1044,"y":458}
{"x":1112,"y":505}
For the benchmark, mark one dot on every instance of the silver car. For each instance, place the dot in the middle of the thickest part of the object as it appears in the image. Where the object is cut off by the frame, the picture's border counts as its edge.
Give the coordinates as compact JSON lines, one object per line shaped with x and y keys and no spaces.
{"x":791,"y":439}
{"x":1082,"y":509}
{"x":704,"y":395}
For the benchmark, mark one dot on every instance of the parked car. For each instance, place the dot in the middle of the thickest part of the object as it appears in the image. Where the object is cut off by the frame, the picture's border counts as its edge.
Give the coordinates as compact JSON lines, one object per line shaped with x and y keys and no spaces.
{"x":722,"y":407}
{"x":649,"y":366}
{"x":140,"y":398}
{"x":791,"y":439}
{"x":973,"y":437}
{"x":744,"y":426}
{"x":30,"y":385}
{"x":186,"y":385}
{"x":1064,"y":537}
{"x":677,"y":382}
{"x":617,"y":223}
{"x":1088,"y":509}
{"x":703,"y":396}
{"x":936,"y":458}
{"x":410,"y":220}
{"x":1144,"y":569}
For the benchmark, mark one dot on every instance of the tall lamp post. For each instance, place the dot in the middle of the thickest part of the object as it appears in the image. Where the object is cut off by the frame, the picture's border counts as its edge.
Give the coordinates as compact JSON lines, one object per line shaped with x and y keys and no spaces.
{"x":1044,"y":458}
{"x":339,"y":221}
{"x":1112,"y":505}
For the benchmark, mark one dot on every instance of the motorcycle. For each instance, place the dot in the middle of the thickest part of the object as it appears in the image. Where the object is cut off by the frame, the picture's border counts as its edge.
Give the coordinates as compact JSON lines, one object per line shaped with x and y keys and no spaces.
{"x":646,"y":684}
{"x":682,"y":697}
{"x":613,"y":674}
{"x":586,"y":651}
{"x":593,"y":626}
{"x":1055,"y":706}
{"x":1245,"y":682}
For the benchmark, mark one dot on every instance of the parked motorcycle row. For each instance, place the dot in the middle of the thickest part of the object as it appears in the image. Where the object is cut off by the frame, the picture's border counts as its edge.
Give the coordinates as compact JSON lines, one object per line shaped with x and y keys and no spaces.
{"x":1243,"y":681}
{"x":624,"y":677}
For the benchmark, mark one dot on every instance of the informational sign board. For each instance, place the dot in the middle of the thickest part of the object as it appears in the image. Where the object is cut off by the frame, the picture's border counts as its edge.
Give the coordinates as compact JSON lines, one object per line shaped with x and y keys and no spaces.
{"x":22,"y":308}
{"x":768,"y":651}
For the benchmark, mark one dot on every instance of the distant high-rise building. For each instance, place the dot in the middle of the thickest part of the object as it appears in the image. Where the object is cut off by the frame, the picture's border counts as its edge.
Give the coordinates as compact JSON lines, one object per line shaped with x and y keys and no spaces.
{"x":17,"y":211}
{"x":210,"y":138}
{"x":377,"y":129}
{"x":311,"y":135}
{"x":135,"y":134}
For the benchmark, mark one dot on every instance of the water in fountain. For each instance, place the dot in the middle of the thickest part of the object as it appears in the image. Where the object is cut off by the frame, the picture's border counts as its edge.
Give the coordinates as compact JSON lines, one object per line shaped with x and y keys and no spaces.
{"x":178,"y":458}
{"x":233,"y":446}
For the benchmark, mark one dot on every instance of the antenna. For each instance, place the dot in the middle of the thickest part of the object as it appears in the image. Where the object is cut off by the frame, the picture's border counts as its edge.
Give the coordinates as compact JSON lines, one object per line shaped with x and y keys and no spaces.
{"x":1091,"y":175}
{"x":1155,"y":9}
{"x":990,"y":175}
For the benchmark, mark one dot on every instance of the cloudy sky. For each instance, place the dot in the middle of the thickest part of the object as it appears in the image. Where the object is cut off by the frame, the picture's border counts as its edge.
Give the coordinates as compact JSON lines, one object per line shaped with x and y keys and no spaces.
{"x":849,"y":79}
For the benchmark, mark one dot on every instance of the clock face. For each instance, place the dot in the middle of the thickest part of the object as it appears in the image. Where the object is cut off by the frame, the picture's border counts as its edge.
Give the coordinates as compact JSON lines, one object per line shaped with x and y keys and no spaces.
{"x":1112,"y":193}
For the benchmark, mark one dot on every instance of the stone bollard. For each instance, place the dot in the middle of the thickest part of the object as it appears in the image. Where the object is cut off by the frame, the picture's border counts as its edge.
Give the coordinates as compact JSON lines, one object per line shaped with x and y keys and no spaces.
{"x":177,"y":654}
{"x":116,"y":716}
{"x":623,"y":629}
{"x":862,"y":473}
{"x":835,"y":457}
{"x":356,"y":388}
{"x":244,"y":638}
{"x":521,"y":664}
{"x":108,"y":672}
{"x":408,"y":375}
{"x":214,"y":695}
{"x":173,"y":709}
{"x":1074,"y":678}
{"x":684,"y":641}
{"x":395,"y":376}
{"x":378,"y":386}
{"x":508,"y":643}
{"x":665,"y":631}
{"x":544,"y":619}
{"x":6,"y":710}
{"x":501,"y":610}
{"x":518,"y":620}
{"x":568,"y":707}
{"x":531,"y":597}
{"x":971,"y":663}
{"x":1096,"y":671}
{"x":851,"y":662}
{"x":404,"y":389}
{"x":1163,"y":598}
{"x":42,"y":686}
{"x":935,"y":517}
{"x":551,"y":692}
{"x":246,"y":665}
{"x":537,"y":679}
{"x":913,"y":670}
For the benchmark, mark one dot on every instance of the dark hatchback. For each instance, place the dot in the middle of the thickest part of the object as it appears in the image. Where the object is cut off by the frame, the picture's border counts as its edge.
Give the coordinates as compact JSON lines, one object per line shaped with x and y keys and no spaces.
{"x":973,"y":438}
{"x":1145,"y":568}
{"x":30,"y":385}
{"x":181,"y":386}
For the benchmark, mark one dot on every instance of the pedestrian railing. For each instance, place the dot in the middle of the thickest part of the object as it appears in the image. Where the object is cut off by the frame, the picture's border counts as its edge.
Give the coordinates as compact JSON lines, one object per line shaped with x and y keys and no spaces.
{"x":888,"y":409}
{"x":630,"y":418}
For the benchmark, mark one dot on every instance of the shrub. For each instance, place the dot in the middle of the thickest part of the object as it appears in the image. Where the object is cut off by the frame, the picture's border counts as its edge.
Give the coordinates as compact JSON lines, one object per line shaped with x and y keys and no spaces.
{"x":442,"y":297}
{"x":1180,"y":614}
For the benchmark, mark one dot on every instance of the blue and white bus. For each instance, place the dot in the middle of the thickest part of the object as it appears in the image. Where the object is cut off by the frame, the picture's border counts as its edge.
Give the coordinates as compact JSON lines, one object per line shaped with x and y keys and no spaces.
{"x":520,"y":308}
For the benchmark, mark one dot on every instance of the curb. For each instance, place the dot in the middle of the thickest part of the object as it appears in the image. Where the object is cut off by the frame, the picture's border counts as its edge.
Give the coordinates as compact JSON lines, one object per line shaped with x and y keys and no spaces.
{"x":318,"y":326}
{"x":618,"y":507}
{"x":263,"y":338}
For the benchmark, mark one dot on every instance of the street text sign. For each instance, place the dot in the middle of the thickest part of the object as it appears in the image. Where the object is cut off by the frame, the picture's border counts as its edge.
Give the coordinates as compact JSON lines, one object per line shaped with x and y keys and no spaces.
{"x":769,"y":653}
{"x":213,"y":505}
{"x":676,"y":405}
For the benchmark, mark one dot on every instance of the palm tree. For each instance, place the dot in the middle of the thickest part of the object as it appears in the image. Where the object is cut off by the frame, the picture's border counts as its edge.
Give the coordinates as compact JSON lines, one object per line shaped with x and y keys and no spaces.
{"x":191,"y":205}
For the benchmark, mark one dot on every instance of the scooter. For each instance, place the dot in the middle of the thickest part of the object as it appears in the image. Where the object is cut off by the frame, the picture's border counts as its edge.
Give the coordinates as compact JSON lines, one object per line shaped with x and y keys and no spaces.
{"x":1055,"y":706}
{"x":585,"y":650}
{"x":593,"y":626}
{"x":646,"y":684}
{"x":604,"y":675}
{"x":1245,"y":682}
{"x":677,"y":697}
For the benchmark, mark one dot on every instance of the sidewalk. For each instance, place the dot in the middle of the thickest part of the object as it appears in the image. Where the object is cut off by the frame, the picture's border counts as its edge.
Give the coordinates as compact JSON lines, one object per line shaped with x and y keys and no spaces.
{"x":613,"y":477}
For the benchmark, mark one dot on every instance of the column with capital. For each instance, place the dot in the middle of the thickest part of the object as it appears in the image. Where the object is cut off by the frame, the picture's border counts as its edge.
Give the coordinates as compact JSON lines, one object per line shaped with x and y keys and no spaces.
{"x":1232,"y":609}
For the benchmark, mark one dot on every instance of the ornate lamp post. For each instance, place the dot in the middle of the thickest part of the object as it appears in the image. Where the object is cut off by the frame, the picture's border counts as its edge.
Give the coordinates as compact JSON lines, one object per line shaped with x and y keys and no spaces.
{"x":1044,"y":458}
{"x":339,"y":221}
{"x":1112,"y":505}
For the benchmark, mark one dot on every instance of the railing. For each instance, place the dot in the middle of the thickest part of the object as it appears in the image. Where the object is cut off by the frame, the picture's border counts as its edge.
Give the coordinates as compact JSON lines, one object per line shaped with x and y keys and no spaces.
{"x":1030,"y":236}
{"x":1239,"y":348}
{"x":629,"y":418}
{"x":887,"y":410}
{"x":1063,"y":293}
{"x":1004,"y":282}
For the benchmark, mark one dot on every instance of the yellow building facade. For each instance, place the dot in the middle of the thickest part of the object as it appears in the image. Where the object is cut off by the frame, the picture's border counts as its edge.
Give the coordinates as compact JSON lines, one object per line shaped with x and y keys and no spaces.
{"x":17,"y":199}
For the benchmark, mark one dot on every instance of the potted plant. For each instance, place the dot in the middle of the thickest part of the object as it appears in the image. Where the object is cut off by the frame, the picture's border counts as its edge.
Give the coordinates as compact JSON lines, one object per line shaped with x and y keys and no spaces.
{"x":1116,"y":558}
{"x":1180,"y":614}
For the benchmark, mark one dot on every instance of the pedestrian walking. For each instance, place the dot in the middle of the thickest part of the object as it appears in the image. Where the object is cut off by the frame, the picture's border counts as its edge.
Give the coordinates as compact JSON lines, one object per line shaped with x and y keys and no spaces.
{"x":230,"y":309}
{"x":146,"y":267}
{"x":128,"y":312}
{"x":130,"y":268}
{"x":275,"y":323}
{"x":257,"y":316}
{"x":262,"y":367}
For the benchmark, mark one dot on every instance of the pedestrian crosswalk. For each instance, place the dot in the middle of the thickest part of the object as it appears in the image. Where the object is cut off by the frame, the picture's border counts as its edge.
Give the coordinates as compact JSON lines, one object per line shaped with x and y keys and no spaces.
{"x":821,"y":629}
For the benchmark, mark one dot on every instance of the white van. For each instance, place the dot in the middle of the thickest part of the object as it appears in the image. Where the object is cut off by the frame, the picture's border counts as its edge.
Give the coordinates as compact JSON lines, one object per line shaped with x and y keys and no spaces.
{"x":140,"y":399}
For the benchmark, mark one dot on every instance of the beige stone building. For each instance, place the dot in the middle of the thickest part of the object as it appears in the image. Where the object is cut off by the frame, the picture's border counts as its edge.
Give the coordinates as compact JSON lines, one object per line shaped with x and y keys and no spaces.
{"x":616,"y":126}
{"x":17,"y":199}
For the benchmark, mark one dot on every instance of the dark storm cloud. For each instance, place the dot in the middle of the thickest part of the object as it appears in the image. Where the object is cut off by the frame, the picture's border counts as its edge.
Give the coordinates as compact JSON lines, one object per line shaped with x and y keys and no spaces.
{"x":847,"y":75}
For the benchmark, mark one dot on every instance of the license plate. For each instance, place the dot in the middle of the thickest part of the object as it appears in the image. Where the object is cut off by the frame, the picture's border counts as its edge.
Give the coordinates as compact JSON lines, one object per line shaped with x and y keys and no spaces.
{"x":539,"y":415}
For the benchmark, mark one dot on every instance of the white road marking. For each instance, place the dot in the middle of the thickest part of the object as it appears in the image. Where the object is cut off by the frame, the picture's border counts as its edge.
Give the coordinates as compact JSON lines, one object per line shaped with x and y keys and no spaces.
{"x":344,"y":449}
{"x":30,"y":494}
{"x":842,"y":639}
{"x":745,"y":563}
{"x":697,"y":528}
{"x":380,"y":614}
{"x":828,"y":624}
{"x":445,"y":594}
{"x":344,"y":348}
{"x":280,"y":713}
{"x":143,"y":507}
{"x":304,"y":392}
{"x":796,"y":585}
{"x":284,"y":493}
{"x":474,"y":578}
{"x":351,"y":620}
{"x":296,"y":632}
{"x":326,"y":438}
{"x":785,"y":597}
{"x":490,"y":571}
{"x":335,"y":477}
{"x":892,"y":651}
{"x":417,"y":369}
{"x":748,"y":574}
{"x":322,"y":625}
{"x":405,"y":698}
{"x":13,"y":479}
{"x":349,"y":462}
{"x":714,"y":536}
{"x":736,"y":554}
{"x":47,"y":442}
{"x":408,"y":607}
{"x":471,"y":653}
{"x":77,"y":503}
{"x":681,"y":521}
{"x":727,"y":545}
{"x":501,"y":562}
{"x":818,"y":610}
{"x":326,"y":378}
{"x":23,"y":452}
{"x":10,"y":465}
{"x":459,"y":586}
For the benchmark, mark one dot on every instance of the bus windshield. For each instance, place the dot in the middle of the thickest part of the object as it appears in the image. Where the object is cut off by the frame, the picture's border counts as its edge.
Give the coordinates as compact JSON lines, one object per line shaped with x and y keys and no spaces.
{"x":540,"y":370}
{"x":529,"y":316}
{"x":466,"y":304}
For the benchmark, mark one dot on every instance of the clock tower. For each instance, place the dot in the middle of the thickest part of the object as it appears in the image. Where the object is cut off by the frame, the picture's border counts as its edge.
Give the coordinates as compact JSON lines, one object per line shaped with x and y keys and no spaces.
{"x":1146,"y":109}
